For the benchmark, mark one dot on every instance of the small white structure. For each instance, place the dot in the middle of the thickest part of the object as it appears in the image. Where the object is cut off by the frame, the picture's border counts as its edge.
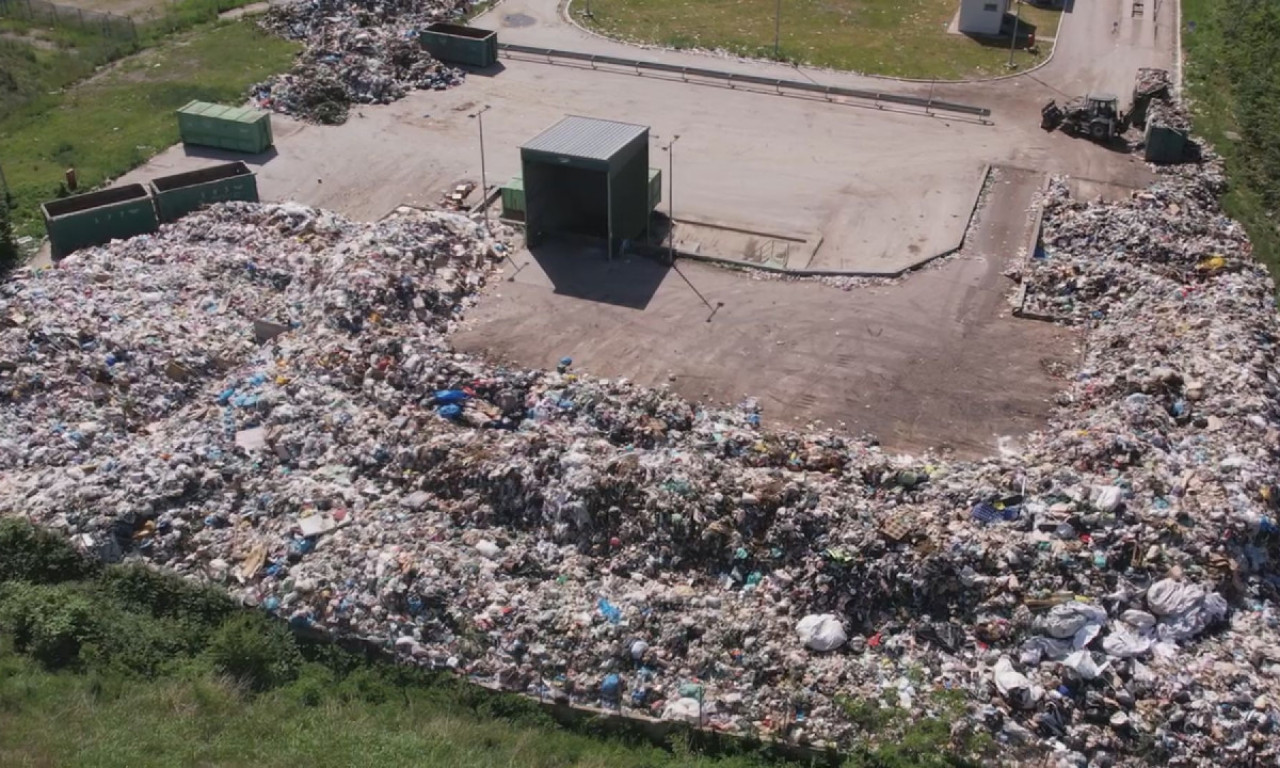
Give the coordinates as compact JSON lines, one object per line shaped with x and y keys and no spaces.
{"x":982,"y":17}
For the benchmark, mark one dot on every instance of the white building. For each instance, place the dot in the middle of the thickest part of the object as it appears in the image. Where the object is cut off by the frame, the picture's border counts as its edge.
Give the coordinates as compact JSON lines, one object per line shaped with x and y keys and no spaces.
{"x":982,"y":17}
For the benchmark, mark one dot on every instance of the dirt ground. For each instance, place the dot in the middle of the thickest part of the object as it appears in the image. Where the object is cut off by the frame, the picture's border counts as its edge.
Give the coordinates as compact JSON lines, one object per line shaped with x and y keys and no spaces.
{"x":932,"y":361}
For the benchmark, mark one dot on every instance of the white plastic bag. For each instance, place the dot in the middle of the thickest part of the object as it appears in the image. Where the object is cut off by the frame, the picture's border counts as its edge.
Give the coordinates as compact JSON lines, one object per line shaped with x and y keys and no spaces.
{"x":821,"y":632}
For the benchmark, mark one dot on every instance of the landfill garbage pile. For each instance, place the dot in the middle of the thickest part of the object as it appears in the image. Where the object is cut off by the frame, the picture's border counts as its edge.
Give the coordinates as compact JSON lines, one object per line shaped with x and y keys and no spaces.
{"x":1153,"y":83}
{"x":264,"y":397}
{"x":1169,"y":114}
{"x":363,"y":52}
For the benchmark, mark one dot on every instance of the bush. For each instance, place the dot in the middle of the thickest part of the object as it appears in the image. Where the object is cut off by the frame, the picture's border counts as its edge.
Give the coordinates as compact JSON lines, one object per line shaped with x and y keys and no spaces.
{"x":167,"y":596}
{"x":9,"y":255}
{"x":28,"y":553}
{"x":49,"y":622}
{"x":256,"y":652}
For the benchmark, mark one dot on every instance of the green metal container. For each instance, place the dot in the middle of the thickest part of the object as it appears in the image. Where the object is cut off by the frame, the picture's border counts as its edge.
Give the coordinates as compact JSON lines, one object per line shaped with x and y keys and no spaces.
{"x":655,"y":188}
{"x":98,"y":217}
{"x":1164,"y":145}
{"x":239,"y":129}
{"x":456,"y":44}
{"x":182,"y":193}
{"x":513,"y":199}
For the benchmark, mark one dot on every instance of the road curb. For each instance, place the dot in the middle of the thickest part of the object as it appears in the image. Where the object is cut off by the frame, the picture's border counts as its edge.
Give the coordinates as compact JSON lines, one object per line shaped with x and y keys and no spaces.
{"x":914,"y":267}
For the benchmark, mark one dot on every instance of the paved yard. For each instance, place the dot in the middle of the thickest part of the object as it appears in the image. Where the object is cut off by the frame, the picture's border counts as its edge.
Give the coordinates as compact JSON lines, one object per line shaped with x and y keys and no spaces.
{"x":935,"y":360}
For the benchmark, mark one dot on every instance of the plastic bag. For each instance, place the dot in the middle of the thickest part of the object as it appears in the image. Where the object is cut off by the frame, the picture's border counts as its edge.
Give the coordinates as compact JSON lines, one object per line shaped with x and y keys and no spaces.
{"x":821,"y":632}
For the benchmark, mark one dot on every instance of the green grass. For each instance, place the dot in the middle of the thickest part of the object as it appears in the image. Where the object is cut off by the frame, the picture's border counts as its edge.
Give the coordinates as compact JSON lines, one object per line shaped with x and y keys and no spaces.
{"x":119,"y":118}
{"x":37,"y":61}
{"x":70,"y":719}
{"x":1233,"y":80}
{"x":124,"y":666}
{"x":901,"y":38}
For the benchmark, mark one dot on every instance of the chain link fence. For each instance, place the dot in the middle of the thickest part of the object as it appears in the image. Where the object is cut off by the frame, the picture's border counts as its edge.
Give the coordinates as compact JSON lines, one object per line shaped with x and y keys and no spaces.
{"x":108,"y":24}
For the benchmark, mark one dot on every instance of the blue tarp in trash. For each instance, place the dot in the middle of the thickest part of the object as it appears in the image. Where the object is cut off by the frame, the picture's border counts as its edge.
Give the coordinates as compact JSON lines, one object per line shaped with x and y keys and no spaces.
{"x":451,"y":396}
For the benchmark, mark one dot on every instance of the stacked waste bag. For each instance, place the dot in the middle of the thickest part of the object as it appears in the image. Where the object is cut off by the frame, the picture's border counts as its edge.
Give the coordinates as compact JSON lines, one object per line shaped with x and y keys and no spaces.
{"x":264,"y":397}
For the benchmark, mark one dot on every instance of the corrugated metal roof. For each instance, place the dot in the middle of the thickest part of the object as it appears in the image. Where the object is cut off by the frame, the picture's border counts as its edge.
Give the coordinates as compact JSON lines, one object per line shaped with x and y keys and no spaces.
{"x":586,"y":137}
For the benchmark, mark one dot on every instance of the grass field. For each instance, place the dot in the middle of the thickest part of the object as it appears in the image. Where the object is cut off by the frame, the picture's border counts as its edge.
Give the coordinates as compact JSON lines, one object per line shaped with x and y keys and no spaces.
{"x":123,"y":666}
{"x":901,"y":38}
{"x":117,"y":119}
{"x":1234,"y":85}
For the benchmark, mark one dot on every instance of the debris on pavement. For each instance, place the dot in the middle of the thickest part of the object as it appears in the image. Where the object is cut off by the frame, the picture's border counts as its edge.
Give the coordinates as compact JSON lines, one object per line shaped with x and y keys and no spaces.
{"x":1107,"y":595}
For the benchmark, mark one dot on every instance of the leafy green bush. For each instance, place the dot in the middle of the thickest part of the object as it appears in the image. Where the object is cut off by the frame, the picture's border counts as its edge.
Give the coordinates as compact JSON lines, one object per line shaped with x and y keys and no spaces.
{"x":49,"y":622}
{"x":256,"y":652}
{"x":28,"y":553}
{"x":166,"y":596}
{"x":9,"y":256}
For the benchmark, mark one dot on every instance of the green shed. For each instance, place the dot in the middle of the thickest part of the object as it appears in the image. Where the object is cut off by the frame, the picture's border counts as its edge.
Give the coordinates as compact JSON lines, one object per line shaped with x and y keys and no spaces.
{"x":98,"y":217}
{"x":456,"y":44}
{"x":182,"y":193}
{"x":239,"y":129}
{"x":589,"y":177}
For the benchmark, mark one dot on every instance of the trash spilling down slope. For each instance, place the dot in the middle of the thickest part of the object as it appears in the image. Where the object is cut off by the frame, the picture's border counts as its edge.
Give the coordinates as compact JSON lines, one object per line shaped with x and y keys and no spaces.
{"x":264,"y":397}
{"x":357,"y":52}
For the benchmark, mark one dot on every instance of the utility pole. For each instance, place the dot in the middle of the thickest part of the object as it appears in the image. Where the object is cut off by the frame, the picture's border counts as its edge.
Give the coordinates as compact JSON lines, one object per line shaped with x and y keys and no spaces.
{"x":671,"y":198}
{"x":1017,"y":16}
{"x":484,"y":184}
{"x":777,"y":30}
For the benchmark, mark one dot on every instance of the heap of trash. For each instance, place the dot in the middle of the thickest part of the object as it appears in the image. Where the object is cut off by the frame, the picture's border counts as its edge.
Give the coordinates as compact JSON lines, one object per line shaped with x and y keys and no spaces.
{"x":357,"y":52}
{"x":264,"y":397}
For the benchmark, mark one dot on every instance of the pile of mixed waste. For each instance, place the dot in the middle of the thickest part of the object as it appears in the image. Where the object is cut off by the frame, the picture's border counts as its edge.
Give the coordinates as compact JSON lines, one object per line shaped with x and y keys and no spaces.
{"x":265,"y":397}
{"x":357,"y":52}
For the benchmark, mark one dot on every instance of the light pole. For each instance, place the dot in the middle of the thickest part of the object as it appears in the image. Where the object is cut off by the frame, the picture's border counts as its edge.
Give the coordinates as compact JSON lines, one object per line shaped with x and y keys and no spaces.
{"x":671,"y":197}
{"x":1017,"y":16}
{"x":484,"y":184}
{"x":777,"y":29}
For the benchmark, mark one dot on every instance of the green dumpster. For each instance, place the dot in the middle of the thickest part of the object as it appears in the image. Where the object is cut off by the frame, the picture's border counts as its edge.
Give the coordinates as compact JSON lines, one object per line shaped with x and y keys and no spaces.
{"x":1164,"y":145}
{"x":98,"y":217}
{"x":456,"y":44}
{"x":182,"y":193}
{"x":513,"y":199}
{"x":655,"y":188}
{"x":239,"y":129}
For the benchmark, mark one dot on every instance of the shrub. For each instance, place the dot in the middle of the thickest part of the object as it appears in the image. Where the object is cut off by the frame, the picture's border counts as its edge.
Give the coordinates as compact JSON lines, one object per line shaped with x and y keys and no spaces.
{"x":167,"y":596}
{"x":255,"y":651}
{"x":28,"y":553}
{"x":49,"y":622}
{"x":9,"y":256}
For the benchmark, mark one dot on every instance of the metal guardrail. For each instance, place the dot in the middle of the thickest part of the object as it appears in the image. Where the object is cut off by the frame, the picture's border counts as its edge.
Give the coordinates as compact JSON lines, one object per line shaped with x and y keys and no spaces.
{"x":730,"y":77}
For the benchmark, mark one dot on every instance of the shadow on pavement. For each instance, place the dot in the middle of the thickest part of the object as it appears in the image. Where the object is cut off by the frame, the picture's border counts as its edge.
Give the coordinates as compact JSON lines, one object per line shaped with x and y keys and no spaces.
{"x":580,"y":267}
{"x":228,"y":156}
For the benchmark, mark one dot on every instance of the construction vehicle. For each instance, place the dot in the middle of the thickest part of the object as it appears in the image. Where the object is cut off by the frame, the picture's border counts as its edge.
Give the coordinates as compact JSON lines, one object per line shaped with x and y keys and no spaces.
{"x":1096,"y":116}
